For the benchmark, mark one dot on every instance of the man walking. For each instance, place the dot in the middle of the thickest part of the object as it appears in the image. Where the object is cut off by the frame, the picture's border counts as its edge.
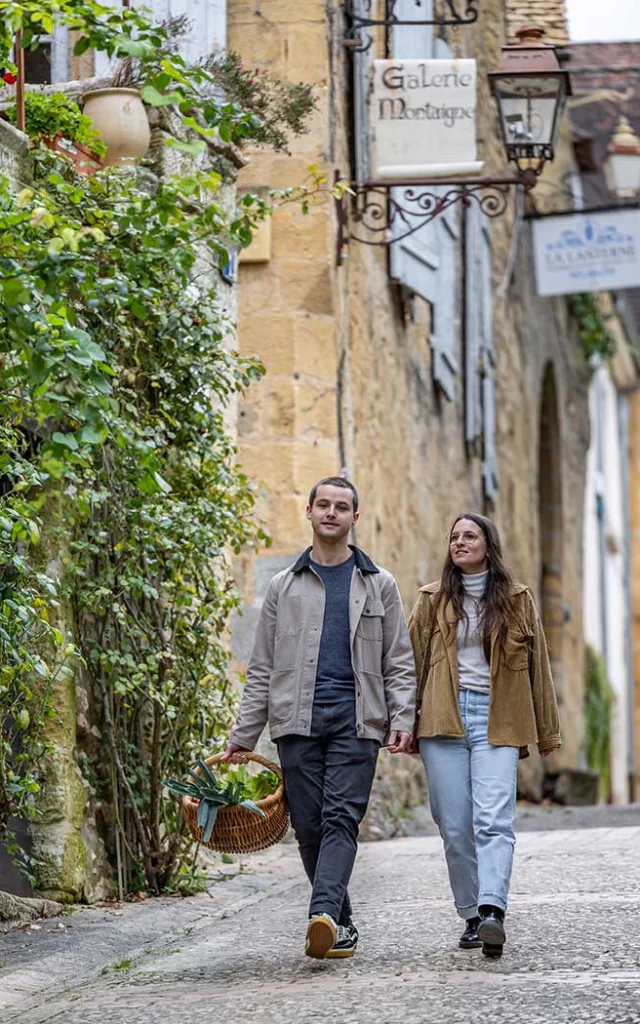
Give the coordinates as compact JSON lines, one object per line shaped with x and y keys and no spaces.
{"x":332,"y":671}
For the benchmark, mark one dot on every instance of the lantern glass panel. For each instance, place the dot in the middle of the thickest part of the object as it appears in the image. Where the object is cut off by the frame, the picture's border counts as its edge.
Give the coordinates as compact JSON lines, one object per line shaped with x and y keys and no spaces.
{"x":529,"y":109}
{"x":622,"y":171}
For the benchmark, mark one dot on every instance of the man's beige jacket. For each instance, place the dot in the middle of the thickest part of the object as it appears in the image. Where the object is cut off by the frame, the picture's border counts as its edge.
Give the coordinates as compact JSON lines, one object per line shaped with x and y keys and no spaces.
{"x":282,"y":670}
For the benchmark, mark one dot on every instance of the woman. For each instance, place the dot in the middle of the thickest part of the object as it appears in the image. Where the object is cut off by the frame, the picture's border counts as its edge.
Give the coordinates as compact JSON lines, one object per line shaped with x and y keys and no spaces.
{"x":485,"y":691}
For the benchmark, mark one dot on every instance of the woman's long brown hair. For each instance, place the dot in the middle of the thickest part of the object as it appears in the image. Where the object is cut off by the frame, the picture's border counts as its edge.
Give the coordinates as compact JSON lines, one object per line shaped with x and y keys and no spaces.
{"x":497,"y":607}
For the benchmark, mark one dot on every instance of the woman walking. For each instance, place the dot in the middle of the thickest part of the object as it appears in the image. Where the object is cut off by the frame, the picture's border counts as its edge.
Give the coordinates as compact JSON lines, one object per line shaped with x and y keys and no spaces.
{"x":485,"y":692}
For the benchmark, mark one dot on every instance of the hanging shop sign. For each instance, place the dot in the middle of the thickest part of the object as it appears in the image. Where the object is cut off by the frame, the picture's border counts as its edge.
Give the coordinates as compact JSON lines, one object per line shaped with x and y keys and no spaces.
{"x":584,"y":252}
{"x":423,"y":116}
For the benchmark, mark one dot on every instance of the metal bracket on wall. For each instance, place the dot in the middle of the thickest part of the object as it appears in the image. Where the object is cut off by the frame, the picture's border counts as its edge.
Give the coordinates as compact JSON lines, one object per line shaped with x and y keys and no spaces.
{"x":445,"y":12}
{"x":386,"y":212}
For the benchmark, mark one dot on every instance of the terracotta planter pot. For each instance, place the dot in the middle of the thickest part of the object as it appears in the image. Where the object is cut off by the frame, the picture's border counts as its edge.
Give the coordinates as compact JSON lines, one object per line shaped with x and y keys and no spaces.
{"x":121,"y":119}
{"x":84,"y":160}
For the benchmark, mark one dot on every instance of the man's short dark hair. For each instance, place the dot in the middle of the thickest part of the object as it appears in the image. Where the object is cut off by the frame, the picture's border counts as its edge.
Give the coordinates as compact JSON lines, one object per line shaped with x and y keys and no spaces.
{"x":334,"y":481}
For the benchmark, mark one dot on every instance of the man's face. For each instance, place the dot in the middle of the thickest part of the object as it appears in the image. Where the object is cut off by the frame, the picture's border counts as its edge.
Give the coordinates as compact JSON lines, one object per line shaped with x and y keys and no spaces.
{"x":331,"y":515}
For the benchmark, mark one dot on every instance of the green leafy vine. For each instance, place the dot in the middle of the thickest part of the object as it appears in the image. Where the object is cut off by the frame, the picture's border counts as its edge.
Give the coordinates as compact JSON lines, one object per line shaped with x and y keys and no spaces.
{"x":595,"y":337}
{"x":598,"y":704}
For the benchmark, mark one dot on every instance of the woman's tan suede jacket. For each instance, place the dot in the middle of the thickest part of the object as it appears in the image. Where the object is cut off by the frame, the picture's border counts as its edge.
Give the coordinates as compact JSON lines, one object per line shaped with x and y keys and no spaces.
{"x":522,"y":707}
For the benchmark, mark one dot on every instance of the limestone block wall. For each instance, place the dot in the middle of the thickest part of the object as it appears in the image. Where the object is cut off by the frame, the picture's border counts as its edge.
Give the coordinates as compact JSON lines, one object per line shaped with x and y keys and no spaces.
{"x":551,"y":15}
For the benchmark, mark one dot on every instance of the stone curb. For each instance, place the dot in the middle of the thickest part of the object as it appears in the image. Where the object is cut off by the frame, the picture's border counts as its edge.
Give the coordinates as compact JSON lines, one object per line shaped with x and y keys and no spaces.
{"x":17,"y":910}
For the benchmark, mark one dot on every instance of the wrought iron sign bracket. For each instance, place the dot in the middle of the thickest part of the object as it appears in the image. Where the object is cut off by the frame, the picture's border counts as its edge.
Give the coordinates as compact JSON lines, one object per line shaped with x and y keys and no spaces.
{"x":386,"y":212}
{"x":445,"y":12}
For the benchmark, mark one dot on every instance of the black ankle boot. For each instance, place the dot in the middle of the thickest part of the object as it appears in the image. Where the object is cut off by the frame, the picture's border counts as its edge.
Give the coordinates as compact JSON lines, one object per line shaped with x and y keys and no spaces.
{"x":470,"y":938}
{"x":491,"y":930}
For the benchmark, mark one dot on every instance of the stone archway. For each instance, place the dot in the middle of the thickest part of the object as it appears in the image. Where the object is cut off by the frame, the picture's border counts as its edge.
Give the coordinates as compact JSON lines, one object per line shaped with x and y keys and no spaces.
{"x":550,"y":524}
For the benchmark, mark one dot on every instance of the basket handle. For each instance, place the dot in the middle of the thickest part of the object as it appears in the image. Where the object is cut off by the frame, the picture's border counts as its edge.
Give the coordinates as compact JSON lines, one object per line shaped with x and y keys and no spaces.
{"x":246,"y":755}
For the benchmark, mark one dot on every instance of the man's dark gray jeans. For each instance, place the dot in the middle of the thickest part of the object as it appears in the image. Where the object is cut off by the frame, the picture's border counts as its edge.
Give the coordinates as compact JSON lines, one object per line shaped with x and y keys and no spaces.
{"x":327,"y":779}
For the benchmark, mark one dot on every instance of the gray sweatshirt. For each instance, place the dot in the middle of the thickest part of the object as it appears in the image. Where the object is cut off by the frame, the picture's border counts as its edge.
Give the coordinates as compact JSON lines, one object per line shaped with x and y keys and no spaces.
{"x":473,"y":669}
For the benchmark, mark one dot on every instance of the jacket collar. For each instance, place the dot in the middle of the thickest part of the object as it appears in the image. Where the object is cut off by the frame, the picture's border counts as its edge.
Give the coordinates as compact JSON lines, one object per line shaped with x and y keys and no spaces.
{"x":363,"y":562}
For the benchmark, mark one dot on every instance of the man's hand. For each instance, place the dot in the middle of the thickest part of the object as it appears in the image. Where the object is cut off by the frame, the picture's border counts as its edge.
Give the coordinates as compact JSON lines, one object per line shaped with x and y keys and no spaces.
{"x":399,"y":742}
{"x":232,"y":750}
{"x":546,"y":751}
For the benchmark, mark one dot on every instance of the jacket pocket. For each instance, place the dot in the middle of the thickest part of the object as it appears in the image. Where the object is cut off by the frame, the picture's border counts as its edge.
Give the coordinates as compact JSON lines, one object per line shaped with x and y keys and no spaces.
{"x":516,"y":650}
{"x":370,"y":624}
{"x":374,"y":701}
{"x":281,"y":691}
{"x":285,"y":649}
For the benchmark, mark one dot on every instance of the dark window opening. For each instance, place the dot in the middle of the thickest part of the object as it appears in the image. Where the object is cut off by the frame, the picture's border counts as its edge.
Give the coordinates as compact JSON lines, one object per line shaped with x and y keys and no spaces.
{"x":37,"y":65}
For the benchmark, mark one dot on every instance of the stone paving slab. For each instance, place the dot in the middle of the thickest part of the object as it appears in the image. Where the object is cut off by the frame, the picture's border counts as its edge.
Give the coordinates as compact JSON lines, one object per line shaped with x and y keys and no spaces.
{"x":572,"y":957}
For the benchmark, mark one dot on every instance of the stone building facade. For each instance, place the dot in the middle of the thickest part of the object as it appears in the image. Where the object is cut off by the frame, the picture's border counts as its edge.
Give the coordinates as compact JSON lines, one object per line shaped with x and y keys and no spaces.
{"x":473,"y":399}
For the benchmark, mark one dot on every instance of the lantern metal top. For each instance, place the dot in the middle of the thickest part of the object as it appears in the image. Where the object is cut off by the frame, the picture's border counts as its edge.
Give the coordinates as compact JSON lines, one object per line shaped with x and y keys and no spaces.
{"x":529,"y":56}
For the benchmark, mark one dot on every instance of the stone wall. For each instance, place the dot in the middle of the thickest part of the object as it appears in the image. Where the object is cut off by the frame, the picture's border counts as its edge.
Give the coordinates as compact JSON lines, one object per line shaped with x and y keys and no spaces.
{"x":349,"y":361}
{"x":551,"y":15}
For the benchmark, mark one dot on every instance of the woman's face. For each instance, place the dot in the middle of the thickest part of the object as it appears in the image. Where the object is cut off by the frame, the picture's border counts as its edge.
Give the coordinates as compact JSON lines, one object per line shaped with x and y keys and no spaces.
{"x":468,"y":546}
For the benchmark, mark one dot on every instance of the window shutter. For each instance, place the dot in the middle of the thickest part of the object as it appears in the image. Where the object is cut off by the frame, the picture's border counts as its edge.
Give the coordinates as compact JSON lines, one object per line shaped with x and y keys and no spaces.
{"x":488,"y":365}
{"x":412,"y":41}
{"x":443,"y":332}
{"x":362,"y":75}
{"x":473,"y":325}
{"x":414,"y":262}
{"x":60,"y":54}
{"x":490,"y":464}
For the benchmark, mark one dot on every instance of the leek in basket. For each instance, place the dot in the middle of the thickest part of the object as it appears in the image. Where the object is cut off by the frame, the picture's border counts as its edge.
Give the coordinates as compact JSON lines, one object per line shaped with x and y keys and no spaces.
{"x":212,"y":795}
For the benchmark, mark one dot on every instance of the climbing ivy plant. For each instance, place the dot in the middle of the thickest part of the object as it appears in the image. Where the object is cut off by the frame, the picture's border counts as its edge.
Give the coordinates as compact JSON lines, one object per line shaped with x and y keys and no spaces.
{"x":121,"y":500}
{"x":116,"y":376}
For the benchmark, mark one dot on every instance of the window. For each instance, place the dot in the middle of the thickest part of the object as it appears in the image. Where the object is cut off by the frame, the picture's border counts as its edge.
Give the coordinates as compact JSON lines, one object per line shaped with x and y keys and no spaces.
{"x":49,"y":63}
{"x":426,"y":262}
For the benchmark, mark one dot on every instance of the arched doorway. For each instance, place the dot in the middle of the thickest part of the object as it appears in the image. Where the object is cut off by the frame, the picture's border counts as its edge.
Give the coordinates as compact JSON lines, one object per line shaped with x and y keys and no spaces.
{"x":550,"y":519}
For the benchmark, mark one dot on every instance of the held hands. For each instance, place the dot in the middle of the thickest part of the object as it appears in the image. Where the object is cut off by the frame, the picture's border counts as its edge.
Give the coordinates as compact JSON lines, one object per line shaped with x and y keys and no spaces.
{"x":399,"y":742}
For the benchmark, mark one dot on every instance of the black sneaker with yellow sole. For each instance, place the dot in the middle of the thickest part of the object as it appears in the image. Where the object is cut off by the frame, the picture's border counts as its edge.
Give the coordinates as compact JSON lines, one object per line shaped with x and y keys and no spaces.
{"x":322,"y":933}
{"x":346,"y":943}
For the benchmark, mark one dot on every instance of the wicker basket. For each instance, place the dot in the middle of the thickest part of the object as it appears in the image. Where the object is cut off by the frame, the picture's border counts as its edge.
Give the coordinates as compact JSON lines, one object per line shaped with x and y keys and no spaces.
{"x":238,"y":830}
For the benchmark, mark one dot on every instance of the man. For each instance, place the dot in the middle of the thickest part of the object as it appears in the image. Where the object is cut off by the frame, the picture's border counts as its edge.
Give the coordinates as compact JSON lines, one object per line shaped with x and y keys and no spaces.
{"x":332,"y":671}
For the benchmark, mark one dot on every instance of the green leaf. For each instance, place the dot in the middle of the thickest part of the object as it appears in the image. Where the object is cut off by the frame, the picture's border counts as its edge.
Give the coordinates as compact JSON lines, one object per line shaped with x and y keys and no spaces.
{"x":250,"y":806}
{"x":153,"y":98}
{"x":125,"y":46}
{"x":182,"y":788}
{"x":192,"y":148}
{"x":210,"y":822}
{"x":14,"y":291}
{"x":67,"y":440}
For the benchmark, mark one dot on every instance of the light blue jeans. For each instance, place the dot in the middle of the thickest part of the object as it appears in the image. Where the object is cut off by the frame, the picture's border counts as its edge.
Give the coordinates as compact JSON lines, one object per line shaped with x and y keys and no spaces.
{"x":472,"y":789}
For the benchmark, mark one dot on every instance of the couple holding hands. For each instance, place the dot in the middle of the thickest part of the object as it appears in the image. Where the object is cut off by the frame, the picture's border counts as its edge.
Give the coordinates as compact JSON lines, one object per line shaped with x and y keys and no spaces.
{"x":337,"y":673}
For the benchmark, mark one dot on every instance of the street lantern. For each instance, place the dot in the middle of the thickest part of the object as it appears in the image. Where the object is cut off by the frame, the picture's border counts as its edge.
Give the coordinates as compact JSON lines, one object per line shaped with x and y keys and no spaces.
{"x":622,"y":165}
{"x":530,"y":89}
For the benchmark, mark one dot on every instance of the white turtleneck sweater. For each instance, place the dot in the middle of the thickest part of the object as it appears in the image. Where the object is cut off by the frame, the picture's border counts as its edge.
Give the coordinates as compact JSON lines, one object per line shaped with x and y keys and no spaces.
{"x":473,"y":669}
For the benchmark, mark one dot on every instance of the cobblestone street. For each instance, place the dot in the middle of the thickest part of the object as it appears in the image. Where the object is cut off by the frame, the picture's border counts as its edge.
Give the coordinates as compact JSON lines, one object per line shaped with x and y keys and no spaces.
{"x":573,"y":952}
